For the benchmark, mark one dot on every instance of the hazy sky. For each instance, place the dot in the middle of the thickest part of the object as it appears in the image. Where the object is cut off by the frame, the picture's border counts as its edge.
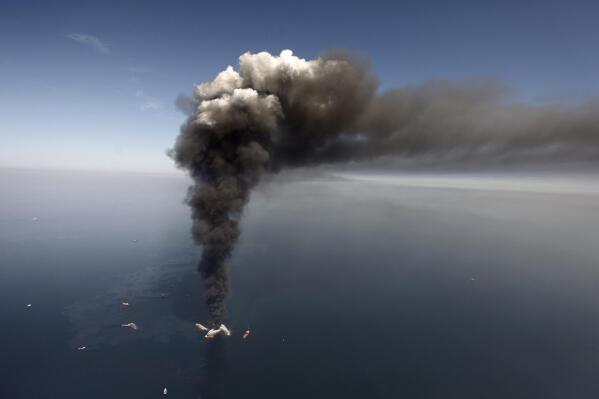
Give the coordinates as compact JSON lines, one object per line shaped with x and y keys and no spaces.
{"x":92,"y":85}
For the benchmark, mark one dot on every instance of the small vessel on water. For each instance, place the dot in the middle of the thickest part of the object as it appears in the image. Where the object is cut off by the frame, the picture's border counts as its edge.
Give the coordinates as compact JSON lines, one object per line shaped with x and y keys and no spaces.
{"x":213,"y":332}
{"x":132,"y":326}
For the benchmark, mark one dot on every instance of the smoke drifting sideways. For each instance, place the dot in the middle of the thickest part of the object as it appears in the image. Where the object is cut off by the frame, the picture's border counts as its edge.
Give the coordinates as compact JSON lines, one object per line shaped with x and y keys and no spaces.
{"x":283,"y":111}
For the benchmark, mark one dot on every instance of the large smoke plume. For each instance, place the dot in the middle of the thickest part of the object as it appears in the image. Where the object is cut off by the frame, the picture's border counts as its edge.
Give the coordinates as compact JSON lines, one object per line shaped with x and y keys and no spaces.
{"x":282,"y":111}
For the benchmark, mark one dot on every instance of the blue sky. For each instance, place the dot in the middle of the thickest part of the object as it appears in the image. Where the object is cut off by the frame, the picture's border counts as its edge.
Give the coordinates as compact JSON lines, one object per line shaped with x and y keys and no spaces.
{"x":92,"y":85}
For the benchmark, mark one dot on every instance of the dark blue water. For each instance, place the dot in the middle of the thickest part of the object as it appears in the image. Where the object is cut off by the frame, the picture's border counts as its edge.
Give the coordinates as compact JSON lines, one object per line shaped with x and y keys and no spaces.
{"x":438,"y":287}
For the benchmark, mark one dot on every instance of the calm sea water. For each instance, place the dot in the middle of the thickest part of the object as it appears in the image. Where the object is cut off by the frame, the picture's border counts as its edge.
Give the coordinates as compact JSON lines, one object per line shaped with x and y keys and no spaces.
{"x":354,"y":286}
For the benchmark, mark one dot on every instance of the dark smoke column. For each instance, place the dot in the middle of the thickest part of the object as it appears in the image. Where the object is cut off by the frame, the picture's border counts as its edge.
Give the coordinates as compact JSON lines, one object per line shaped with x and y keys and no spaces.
{"x":224,"y":146}
{"x":276,"y":111}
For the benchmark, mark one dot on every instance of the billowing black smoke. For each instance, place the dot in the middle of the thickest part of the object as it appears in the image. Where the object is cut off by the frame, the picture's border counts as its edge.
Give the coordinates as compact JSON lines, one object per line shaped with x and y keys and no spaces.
{"x":283,"y":111}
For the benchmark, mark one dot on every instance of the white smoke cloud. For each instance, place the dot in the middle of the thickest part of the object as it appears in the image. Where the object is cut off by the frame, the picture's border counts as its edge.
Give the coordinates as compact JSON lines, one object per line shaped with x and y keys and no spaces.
{"x":242,"y":109}
{"x":224,"y":83}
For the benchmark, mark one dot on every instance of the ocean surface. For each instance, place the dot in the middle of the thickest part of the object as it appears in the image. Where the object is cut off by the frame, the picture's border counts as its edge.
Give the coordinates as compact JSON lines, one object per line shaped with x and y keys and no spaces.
{"x":353,"y":286}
